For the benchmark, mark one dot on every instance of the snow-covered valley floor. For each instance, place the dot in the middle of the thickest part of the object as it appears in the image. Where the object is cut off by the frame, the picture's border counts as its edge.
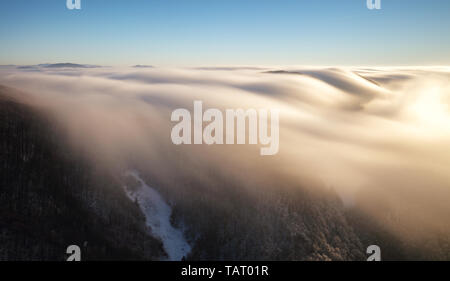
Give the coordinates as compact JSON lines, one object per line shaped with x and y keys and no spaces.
{"x":157,"y":213}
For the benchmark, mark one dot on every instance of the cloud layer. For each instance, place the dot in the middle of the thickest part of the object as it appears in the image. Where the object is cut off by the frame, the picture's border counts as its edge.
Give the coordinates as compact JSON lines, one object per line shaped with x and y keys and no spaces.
{"x":378,"y":136}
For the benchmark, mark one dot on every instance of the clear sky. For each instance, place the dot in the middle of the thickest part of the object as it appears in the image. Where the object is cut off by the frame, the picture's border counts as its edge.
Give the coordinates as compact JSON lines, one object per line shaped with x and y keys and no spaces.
{"x":226,"y":32}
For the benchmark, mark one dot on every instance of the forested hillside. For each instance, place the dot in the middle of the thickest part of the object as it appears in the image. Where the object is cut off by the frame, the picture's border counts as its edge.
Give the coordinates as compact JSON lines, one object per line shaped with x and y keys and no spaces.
{"x":51,"y":198}
{"x":53,"y":195}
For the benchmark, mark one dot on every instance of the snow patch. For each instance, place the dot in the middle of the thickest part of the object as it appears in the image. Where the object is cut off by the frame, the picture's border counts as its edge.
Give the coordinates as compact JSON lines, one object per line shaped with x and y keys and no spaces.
{"x":157,"y":214}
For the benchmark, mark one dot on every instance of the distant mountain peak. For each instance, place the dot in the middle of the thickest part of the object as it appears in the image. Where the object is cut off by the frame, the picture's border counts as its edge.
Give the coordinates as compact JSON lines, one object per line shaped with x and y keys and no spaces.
{"x":143,"y":66}
{"x":66,"y":64}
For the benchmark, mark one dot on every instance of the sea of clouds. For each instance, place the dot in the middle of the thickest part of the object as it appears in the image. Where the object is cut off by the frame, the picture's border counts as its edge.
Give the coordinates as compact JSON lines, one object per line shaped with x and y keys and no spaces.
{"x":379,"y":137}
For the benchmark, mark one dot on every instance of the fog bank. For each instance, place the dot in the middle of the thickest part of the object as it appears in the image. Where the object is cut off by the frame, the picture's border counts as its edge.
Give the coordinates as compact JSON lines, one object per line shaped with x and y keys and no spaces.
{"x":379,"y":137}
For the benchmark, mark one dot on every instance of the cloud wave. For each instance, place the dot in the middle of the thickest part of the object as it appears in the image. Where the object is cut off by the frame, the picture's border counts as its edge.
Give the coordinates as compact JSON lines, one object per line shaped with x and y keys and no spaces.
{"x":378,"y":136}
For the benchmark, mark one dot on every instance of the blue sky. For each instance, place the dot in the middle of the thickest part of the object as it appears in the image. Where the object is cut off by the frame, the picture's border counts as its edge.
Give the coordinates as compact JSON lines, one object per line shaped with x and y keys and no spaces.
{"x":226,"y":32}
